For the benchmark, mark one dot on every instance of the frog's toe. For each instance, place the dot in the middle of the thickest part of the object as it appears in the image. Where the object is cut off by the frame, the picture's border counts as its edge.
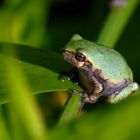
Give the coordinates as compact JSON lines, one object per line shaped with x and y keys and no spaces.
{"x":135,"y":86}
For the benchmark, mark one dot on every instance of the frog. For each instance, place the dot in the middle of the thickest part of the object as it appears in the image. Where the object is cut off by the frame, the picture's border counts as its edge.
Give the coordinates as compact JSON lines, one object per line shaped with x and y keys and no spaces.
{"x":102,"y":71}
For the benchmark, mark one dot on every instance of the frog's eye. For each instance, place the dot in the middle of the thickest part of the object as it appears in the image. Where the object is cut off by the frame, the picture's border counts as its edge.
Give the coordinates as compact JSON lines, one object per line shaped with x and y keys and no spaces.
{"x":80,"y":57}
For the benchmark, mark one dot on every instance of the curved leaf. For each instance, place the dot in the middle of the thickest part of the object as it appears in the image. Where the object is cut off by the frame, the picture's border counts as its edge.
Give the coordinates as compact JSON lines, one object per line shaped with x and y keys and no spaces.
{"x":42,"y":68}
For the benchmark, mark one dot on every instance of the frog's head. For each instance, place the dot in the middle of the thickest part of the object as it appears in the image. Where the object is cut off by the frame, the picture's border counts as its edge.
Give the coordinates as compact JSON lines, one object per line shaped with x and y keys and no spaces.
{"x":77,"y":51}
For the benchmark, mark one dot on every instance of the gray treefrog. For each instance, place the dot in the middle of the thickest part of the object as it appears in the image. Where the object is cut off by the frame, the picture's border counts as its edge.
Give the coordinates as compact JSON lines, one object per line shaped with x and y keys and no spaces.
{"x":101,"y":70}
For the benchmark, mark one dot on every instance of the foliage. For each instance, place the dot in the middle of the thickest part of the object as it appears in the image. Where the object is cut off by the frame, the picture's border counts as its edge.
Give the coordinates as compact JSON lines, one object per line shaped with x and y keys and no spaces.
{"x":27,"y":69}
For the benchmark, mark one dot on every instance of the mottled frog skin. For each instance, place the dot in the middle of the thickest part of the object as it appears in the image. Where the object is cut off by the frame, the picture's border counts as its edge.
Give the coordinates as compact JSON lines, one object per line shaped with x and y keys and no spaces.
{"x":101,"y":70}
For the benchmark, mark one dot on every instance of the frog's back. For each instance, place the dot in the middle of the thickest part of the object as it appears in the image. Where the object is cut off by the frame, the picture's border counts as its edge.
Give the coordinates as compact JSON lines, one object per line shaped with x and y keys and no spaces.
{"x":110,"y":62}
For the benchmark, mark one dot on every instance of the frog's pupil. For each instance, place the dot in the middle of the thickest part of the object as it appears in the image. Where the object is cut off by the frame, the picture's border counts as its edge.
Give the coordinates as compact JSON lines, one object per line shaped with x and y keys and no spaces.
{"x":80,"y":57}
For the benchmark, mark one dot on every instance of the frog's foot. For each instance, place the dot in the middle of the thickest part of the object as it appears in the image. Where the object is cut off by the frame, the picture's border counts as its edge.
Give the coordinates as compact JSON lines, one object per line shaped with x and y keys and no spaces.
{"x":72,"y":76}
{"x":85,"y":97}
{"x":118,"y":96}
{"x":88,"y":98}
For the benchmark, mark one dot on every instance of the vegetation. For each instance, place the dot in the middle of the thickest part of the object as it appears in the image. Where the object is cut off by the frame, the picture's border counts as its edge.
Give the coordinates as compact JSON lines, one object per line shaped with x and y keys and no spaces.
{"x":32,"y":33}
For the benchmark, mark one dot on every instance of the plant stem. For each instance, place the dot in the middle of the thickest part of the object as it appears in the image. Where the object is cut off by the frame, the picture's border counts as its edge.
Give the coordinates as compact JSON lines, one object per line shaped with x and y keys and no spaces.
{"x":4,"y":135}
{"x":115,"y":23}
{"x":71,"y":109}
{"x":110,"y":33}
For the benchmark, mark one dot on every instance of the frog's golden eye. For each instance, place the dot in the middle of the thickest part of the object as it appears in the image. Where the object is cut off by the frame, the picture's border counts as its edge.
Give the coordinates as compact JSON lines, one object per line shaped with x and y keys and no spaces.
{"x":80,"y":57}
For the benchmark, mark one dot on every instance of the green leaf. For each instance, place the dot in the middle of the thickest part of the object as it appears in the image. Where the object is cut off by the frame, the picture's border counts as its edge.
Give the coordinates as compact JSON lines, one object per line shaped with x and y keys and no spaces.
{"x":42,"y":69}
{"x":118,"y":122}
{"x":4,"y":135}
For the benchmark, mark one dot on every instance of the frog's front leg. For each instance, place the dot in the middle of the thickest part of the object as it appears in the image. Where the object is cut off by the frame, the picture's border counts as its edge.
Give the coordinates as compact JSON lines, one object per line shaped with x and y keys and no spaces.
{"x":89,"y":98}
{"x":116,"y":97}
{"x":85,"y":96}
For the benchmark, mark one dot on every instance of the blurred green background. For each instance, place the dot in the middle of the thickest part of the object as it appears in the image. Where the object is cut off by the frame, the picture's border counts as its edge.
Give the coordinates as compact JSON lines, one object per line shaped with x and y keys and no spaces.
{"x":32,"y":34}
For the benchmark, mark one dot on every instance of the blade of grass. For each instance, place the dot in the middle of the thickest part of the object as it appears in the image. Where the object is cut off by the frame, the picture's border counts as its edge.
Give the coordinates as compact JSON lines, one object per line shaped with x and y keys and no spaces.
{"x":23,"y":101}
{"x":15,"y":129}
{"x":115,"y":23}
{"x":110,"y":33}
{"x":69,"y":113}
{"x":4,"y":135}
{"x":24,"y":21}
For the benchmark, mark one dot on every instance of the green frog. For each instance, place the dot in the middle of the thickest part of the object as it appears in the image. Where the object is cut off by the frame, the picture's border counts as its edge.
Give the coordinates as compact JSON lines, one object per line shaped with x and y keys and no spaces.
{"x":101,"y":70}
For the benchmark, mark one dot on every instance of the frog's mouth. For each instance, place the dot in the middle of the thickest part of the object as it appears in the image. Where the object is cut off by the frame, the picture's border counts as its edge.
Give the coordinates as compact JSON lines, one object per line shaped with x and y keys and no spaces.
{"x":70,"y":58}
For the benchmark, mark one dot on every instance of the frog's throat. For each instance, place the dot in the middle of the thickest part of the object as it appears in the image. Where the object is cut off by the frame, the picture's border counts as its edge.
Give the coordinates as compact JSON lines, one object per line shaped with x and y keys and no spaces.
{"x":95,"y":75}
